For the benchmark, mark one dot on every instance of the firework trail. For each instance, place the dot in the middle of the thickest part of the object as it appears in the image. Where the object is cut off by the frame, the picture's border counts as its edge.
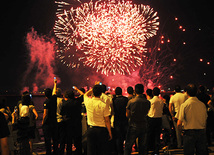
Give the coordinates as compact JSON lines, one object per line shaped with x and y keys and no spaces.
{"x":109,"y":36}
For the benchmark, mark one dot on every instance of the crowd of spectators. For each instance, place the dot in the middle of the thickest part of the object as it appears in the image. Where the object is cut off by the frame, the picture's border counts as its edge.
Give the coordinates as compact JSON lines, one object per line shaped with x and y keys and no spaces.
{"x":116,"y":124}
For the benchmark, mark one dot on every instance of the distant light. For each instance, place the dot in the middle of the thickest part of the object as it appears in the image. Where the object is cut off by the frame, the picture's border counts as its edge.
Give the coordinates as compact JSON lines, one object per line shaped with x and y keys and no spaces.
{"x":159,"y":49}
{"x":199,"y":29}
{"x":162,"y":37}
{"x":158,"y":73}
{"x":184,"y":43}
{"x":162,"y":41}
{"x":180,"y":27}
{"x":174,"y":59}
{"x":171,"y":77}
{"x":184,"y":30}
{"x":208,"y":63}
{"x":205,"y":74}
{"x":176,"y":18}
{"x":159,"y":86}
{"x":168,"y":41}
{"x":168,"y":88}
{"x":201,"y":60}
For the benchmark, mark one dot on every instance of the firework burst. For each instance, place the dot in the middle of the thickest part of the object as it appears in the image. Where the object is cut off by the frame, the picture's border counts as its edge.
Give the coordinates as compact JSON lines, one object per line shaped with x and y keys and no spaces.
{"x":109,"y":36}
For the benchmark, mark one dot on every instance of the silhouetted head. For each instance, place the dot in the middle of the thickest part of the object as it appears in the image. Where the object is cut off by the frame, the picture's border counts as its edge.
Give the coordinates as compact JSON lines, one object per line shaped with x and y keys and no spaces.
{"x":118,"y":91}
{"x":69,"y":94}
{"x":177,"y":88}
{"x":149,"y":93}
{"x":48,"y":93}
{"x":139,"y":89}
{"x":97,"y":90}
{"x":156,"y":91}
{"x":191,"y":90}
{"x":130,"y":90}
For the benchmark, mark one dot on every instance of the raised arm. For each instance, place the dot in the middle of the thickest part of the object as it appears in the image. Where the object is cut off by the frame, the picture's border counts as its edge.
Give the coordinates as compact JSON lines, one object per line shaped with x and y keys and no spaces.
{"x":55,"y":87}
{"x":79,"y":91}
{"x":88,"y":93}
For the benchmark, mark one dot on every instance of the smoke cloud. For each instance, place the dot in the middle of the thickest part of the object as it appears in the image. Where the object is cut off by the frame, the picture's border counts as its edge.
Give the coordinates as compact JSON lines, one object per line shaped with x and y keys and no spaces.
{"x":41,"y":68}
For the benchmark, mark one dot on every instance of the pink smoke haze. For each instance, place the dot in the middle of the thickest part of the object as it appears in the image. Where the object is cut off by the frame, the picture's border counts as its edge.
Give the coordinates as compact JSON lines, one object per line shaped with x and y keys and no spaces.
{"x":42,"y":61}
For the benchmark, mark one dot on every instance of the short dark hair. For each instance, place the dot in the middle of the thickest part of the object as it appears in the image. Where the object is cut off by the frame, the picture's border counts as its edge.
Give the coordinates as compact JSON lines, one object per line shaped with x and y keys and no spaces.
{"x":177,"y":88}
{"x":149,"y":92}
{"x":156,"y":91}
{"x":97,"y":90}
{"x":48,"y":92}
{"x":130,"y":90}
{"x":26,"y":100}
{"x":118,"y":91}
{"x":69,"y":94}
{"x":103,"y":88}
{"x":191,"y":89}
{"x":139,"y":89}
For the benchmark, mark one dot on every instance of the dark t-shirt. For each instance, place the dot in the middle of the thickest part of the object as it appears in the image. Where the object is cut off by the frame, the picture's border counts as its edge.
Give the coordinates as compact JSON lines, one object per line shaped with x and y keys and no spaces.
{"x":139,"y":107}
{"x":72,"y":110}
{"x":203,"y":97}
{"x":51,"y":105}
{"x":4,"y":130}
{"x":119,"y":104}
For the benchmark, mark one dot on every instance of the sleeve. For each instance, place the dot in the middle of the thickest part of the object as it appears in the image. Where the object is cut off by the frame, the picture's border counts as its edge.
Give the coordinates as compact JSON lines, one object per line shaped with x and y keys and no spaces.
{"x":171,"y":100}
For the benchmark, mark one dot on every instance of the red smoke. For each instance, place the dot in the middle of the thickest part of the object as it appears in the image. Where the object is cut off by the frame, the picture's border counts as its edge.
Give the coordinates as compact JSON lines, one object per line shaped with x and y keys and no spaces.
{"x":41,"y":67}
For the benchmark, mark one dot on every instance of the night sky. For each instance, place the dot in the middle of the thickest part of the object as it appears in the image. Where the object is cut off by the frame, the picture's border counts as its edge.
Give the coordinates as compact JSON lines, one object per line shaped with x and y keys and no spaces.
{"x":18,"y":17}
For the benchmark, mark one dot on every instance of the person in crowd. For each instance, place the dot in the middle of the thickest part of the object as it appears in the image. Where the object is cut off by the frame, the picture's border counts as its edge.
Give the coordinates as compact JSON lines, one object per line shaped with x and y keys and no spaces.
{"x":130,"y":92}
{"x":210,"y":119}
{"x":49,"y":122}
{"x":137,"y":110}
{"x":155,"y":121}
{"x":98,"y":113}
{"x":204,"y":97}
{"x":193,"y":116}
{"x":22,"y":124}
{"x":60,"y":123}
{"x":167,"y":123}
{"x":71,"y":112}
{"x":149,"y":94}
{"x":120,"y":119}
{"x":33,"y":115}
{"x":175,"y":102}
{"x":4,"y":133}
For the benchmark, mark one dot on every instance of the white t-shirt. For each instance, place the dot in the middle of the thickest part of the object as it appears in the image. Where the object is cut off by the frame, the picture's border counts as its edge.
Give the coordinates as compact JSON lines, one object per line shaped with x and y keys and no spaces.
{"x":193,"y":114}
{"x":177,"y":100}
{"x":156,"y":109}
{"x":96,"y":111}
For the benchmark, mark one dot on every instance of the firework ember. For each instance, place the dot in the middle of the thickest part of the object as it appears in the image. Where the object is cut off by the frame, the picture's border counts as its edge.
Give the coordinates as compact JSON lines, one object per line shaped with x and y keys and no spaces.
{"x":108,"y":36}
